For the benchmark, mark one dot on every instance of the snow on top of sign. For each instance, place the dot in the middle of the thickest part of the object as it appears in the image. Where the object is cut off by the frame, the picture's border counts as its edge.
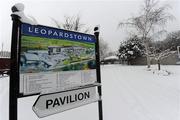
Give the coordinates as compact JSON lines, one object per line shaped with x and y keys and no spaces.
{"x":20,"y":12}
{"x":19,"y":6}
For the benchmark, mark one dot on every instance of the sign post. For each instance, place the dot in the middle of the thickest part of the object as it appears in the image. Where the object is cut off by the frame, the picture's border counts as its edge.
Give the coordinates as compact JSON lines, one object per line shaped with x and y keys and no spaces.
{"x":96,"y":33}
{"x":60,"y":66}
{"x":14,"y":68}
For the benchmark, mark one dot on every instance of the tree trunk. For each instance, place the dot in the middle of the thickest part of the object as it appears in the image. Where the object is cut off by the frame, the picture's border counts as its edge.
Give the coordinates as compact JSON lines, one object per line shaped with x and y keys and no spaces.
{"x":147,"y":56}
{"x":159,"y":67}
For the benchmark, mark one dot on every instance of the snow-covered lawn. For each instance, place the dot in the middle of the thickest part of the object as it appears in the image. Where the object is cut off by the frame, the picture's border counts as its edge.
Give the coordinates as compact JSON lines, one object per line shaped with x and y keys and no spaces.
{"x":129,"y":93}
{"x":133,"y":93}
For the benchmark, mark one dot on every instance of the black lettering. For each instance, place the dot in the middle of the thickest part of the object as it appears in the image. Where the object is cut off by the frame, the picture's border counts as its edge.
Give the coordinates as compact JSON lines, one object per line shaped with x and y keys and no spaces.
{"x":86,"y":95}
{"x":71,"y":101}
{"x":56,"y":102}
{"x":75,"y":97}
{"x":67,"y":99}
{"x":62,"y":100}
{"x":48,"y":102}
{"x":80,"y":96}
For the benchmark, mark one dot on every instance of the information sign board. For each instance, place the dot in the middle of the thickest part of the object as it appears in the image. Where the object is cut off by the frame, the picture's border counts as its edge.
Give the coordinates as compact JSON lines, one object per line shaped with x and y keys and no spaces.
{"x":55,"y":59}
{"x":62,"y":66}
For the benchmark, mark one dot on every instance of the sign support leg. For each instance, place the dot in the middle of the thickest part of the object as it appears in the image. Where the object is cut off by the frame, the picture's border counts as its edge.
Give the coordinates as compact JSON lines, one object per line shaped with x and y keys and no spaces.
{"x":14,"y":69}
{"x":100,"y":108}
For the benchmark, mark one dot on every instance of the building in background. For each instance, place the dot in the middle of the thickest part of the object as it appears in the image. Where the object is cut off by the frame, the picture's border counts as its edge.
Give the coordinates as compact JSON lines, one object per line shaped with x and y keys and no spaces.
{"x":5,"y":54}
{"x":4,"y":62}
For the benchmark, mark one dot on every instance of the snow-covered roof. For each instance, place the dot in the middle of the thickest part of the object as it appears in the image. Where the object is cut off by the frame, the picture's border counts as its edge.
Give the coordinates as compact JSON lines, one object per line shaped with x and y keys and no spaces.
{"x":31,"y":57}
{"x":111,"y":57}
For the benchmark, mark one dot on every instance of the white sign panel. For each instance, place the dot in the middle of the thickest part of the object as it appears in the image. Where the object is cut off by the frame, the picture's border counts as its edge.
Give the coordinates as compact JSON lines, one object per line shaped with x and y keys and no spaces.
{"x":46,"y":82}
{"x":49,"y":104}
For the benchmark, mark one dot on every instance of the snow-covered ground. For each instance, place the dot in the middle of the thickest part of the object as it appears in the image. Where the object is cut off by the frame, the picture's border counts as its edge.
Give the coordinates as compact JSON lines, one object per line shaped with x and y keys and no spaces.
{"x":4,"y":98}
{"x":133,"y":93}
{"x":129,"y":93}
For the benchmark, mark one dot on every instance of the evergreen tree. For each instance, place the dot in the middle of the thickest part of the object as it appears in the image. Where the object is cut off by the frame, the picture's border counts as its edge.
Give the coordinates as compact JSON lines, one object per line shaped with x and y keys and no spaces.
{"x":131,"y":49}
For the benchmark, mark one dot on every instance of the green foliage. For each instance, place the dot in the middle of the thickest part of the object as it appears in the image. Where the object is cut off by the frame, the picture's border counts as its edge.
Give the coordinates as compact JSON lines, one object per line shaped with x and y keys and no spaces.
{"x":66,"y":62}
{"x":91,"y":64}
{"x":80,"y":66}
{"x":38,"y":43}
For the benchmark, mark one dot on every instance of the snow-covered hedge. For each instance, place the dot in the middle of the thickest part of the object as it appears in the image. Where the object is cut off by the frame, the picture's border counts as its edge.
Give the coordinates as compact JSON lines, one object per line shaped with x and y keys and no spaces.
{"x":131,"y":49}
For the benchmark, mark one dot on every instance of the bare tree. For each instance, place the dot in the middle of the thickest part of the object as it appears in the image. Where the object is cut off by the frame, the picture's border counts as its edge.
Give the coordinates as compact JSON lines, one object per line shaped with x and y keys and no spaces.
{"x":75,"y":24}
{"x":172,"y":41}
{"x":161,"y":55}
{"x":150,"y":22}
{"x":72,"y":23}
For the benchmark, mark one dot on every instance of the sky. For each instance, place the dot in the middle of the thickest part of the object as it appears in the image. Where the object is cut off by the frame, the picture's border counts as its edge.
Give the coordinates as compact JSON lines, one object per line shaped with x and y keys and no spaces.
{"x":106,"y":13}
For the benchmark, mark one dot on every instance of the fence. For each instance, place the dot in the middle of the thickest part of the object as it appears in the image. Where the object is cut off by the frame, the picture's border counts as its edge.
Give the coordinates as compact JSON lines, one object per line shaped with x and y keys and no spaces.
{"x":5,"y":54}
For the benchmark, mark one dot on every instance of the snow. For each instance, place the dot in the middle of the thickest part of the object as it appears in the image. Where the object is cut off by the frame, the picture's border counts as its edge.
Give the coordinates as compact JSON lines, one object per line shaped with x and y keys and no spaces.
{"x":19,"y":6}
{"x":129,"y":93}
{"x":4,"y":98}
{"x":111,"y":57}
{"x":22,"y":16}
{"x":130,"y":52}
{"x":31,"y":57}
{"x":138,"y":94}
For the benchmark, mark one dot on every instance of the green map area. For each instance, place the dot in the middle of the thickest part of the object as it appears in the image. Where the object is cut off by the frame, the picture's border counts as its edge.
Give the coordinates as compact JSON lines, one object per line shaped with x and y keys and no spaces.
{"x":38,"y":43}
{"x":45,"y":54}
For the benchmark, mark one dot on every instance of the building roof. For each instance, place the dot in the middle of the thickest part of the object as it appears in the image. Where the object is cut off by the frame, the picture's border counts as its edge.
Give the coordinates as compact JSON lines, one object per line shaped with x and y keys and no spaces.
{"x":31,"y":57}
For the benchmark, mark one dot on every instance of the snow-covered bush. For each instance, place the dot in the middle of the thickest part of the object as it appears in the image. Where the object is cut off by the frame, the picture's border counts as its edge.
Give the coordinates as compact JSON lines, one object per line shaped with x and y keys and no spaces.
{"x":131,"y":49}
